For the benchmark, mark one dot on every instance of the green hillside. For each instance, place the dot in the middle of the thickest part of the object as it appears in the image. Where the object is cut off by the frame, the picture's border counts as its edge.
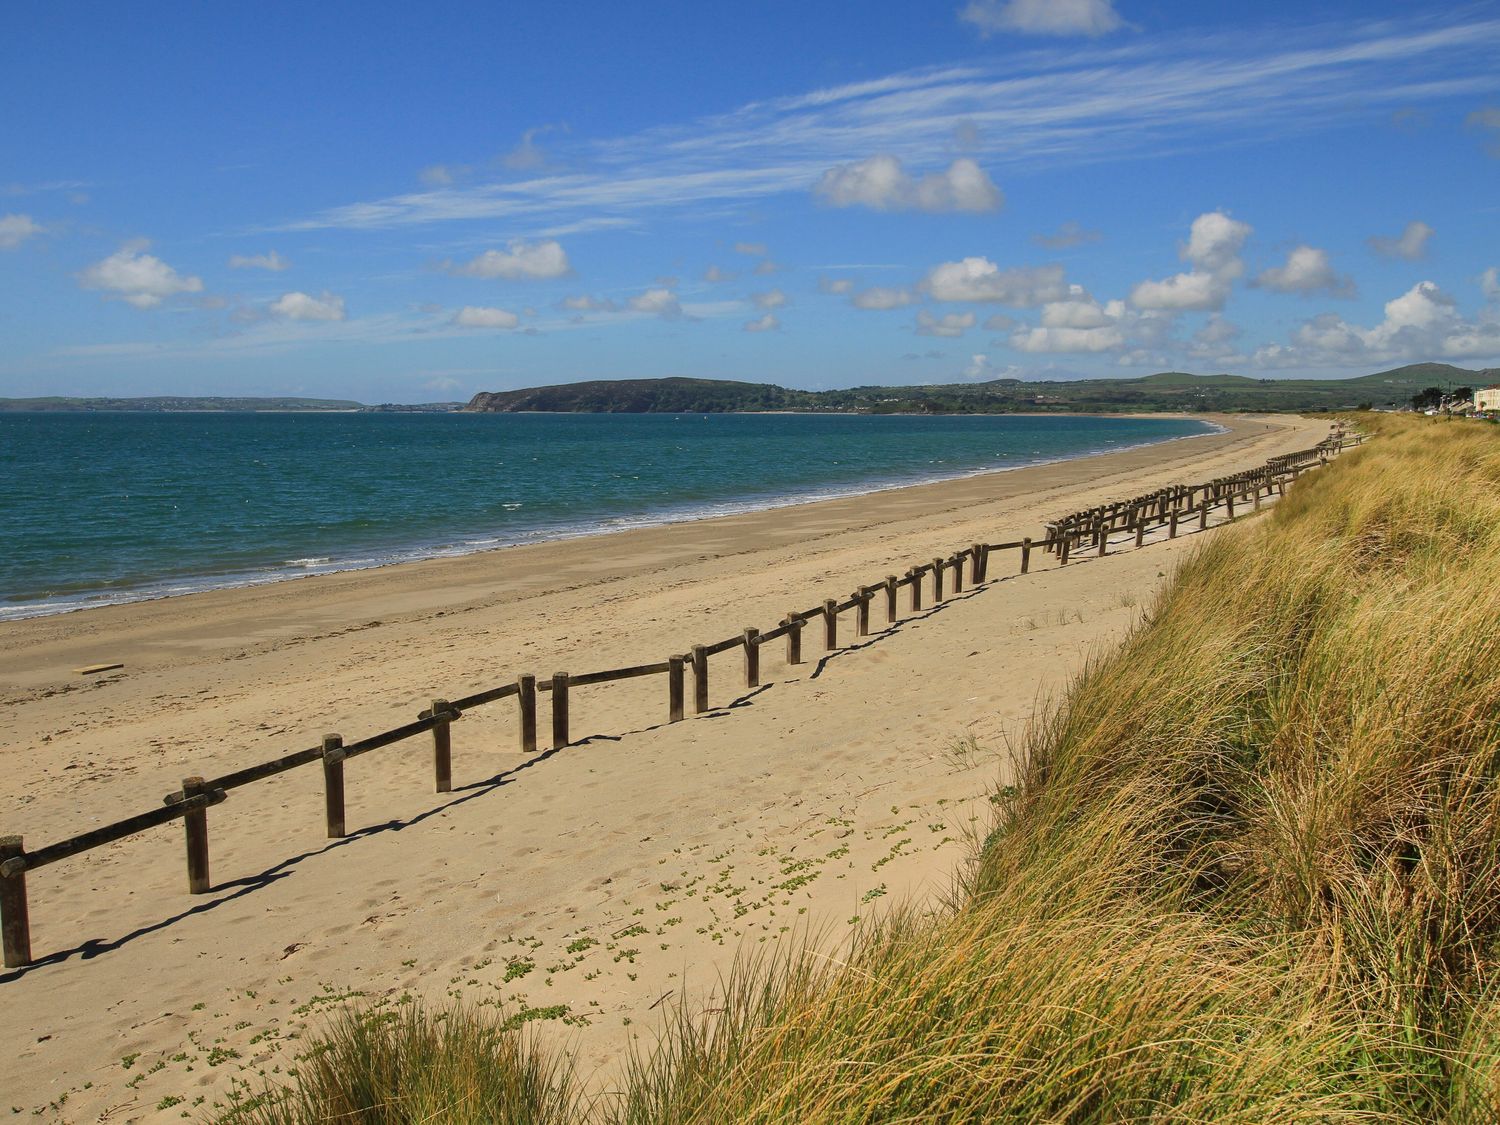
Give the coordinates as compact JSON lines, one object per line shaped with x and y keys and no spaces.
{"x":1168,"y":390}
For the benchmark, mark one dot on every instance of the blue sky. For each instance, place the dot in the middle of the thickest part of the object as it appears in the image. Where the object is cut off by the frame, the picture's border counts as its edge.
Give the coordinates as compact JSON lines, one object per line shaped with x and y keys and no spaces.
{"x":368,"y":201}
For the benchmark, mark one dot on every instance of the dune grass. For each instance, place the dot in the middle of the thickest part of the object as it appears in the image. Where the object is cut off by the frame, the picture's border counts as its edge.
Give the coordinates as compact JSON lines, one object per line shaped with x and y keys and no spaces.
{"x":406,"y":1063}
{"x":1251,"y":874}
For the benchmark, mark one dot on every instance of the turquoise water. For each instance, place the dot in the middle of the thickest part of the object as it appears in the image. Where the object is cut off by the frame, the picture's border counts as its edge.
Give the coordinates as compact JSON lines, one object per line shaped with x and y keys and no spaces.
{"x":99,"y":508}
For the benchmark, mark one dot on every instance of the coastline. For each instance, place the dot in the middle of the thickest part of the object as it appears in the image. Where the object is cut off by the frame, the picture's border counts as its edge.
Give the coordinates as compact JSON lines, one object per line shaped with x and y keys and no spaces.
{"x":542,"y":859}
{"x":428,"y":584}
{"x":295,"y":569}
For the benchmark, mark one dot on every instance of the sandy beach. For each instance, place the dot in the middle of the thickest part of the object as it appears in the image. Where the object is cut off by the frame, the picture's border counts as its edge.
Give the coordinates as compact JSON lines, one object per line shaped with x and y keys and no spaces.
{"x":587,"y":890}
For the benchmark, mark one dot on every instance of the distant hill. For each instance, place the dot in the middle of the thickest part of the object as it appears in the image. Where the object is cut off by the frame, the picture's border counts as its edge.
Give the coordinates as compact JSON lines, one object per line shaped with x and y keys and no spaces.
{"x":165,"y":404}
{"x":1167,"y":390}
{"x":162,"y":403}
{"x":646,"y":396}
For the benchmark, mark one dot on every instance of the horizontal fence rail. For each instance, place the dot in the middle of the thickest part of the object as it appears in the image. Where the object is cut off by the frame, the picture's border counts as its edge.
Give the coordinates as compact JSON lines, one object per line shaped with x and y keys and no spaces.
{"x":1173,"y":507}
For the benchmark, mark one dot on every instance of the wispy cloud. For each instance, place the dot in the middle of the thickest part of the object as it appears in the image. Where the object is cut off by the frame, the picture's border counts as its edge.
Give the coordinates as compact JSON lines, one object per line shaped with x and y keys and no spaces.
{"x":1052,"y":107}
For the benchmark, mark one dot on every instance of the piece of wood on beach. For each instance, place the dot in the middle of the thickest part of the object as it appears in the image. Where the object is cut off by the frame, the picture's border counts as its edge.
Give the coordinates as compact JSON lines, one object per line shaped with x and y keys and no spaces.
{"x":195,"y":825}
{"x":700,"y":679}
{"x":442,"y":747}
{"x":15,"y":918}
{"x":333,"y":785}
{"x":526,"y":694}
{"x":91,"y":669}
{"x":752,"y":657}
{"x":674,"y":688}
{"x":559,"y":710}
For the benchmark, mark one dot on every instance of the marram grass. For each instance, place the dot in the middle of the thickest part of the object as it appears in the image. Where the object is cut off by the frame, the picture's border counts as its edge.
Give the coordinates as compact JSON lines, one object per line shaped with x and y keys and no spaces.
{"x":1252,"y":872}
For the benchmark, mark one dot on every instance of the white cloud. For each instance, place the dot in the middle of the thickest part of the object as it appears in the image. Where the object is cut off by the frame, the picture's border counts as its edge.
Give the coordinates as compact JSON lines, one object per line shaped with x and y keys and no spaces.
{"x":762,"y":324}
{"x":1487,"y":120}
{"x":16,"y":229}
{"x":882,"y":297}
{"x":301,"y":306}
{"x":1071,"y":233}
{"x":773,"y":299}
{"x":1078,"y":310}
{"x":949,"y":324}
{"x":1183,"y":292}
{"x":979,"y":279}
{"x":1424,"y":323}
{"x":713,"y":275}
{"x":1077,"y":324}
{"x":657,"y":302}
{"x":442,"y":175}
{"x":978,"y":367}
{"x":754,"y":249}
{"x":1216,"y":332}
{"x":1085,"y":105}
{"x":1213,"y":250}
{"x":138,"y":278}
{"x":441,"y":384}
{"x":268,"y":261}
{"x":1044,"y":339}
{"x":1043,"y":17}
{"x":840,"y":286}
{"x":585,"y":303}
{"x":1489,"y":284}
{"x":1307,"y":271}
{"x":520,"y":260}
{"x":480,"y":316}
{"x":1409,"y":245}
{"x":765,"y":268}
{"x":528,"y":154}
{"x":882,"y":184}
{"x":1214,"y":244}
{"x":999,"y":322}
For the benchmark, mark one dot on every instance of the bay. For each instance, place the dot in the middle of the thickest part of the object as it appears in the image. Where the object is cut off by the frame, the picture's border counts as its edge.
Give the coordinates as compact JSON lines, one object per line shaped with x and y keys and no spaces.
{"x":108,"y":507}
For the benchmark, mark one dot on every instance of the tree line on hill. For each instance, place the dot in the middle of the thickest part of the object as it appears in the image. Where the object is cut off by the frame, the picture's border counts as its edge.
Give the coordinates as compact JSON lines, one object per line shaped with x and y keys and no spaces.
{"x":1167,"y":391}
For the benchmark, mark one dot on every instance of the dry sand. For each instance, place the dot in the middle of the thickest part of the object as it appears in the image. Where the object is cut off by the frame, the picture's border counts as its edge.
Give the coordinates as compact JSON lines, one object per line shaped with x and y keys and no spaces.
{"x":588,"y":889}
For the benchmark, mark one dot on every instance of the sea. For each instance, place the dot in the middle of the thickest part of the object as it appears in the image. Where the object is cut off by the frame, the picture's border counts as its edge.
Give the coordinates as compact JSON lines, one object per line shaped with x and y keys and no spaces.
{"x":101,"y":508}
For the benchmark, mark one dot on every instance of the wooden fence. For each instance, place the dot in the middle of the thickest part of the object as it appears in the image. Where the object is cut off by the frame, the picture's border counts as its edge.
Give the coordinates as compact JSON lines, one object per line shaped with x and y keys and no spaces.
{"x":944,"y":576}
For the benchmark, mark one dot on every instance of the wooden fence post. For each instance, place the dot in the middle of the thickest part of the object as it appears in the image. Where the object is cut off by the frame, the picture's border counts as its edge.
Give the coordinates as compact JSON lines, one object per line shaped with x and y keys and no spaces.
{"x":916,"y":589}
{"x":976,"y":565}
{"x":1062,"y":551}
{"x":559,"y":710}
{"x":526,"y":697}
{"x":15,"y":920}
{"x":1025,"y":554}
{"x":752,"y":658}
{"x":1172,"y":525}
{"x":830,"y":624}
{"x":793,"y":639}
{"x":674,"y":689}
{"x":1203,"y":516}
{"x":700,"y":679}
{"x":1103,"y":539}
{"x":862,"y":614}
{"x":195,"y":825}
{"x":1140,"y":530}
{"x":333,"y":785}
{"x":891,"y":608}
{"x":1229,"y":504}
{"x":956,"y":565}
{"x":1257,"y":495}
{"x":442,"y":748}
{"x":937,"y":581}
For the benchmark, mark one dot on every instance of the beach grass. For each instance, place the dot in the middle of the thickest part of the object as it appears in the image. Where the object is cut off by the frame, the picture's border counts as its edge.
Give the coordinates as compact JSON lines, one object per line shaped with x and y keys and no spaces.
{"x":1251,"y":872}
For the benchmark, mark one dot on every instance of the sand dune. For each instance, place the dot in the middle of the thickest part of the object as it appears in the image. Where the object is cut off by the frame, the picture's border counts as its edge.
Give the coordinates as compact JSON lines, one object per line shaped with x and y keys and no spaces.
{"x":587,"y":888}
